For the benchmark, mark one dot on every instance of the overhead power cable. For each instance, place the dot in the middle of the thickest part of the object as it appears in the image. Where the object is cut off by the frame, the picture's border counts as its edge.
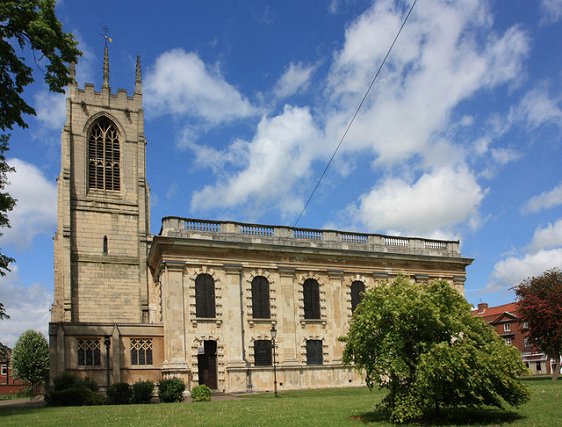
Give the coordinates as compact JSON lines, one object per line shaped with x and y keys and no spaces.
{"x":356,"y":112}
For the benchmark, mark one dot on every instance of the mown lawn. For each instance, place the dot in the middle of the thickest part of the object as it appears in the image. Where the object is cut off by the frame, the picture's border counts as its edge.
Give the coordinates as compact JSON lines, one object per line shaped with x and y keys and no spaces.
{"x":333,"y":407}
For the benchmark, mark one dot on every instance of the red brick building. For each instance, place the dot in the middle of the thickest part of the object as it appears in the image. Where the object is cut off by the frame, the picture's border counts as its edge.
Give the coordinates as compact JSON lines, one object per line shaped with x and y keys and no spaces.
{"x":505,"y":320}
{"x":9,"y":385}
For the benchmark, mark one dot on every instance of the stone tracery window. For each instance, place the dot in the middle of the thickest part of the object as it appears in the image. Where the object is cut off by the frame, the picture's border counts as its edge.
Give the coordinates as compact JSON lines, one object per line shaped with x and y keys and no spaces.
{"x":141,"y":351}
{"x":104,"y":156}
{"x":89,"y":352}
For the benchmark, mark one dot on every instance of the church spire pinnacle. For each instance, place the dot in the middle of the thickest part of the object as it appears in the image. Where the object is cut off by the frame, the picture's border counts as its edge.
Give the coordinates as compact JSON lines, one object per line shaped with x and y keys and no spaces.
{"x":138,"y":76}
{"x":105,"y":67}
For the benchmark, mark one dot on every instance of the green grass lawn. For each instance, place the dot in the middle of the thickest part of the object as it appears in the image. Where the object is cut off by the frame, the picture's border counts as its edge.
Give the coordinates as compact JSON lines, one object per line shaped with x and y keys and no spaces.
{"x":332,"y":407}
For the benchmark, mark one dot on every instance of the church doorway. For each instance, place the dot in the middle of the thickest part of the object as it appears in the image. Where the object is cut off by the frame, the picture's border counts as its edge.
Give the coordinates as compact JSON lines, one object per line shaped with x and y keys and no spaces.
{"x":207,"y":364}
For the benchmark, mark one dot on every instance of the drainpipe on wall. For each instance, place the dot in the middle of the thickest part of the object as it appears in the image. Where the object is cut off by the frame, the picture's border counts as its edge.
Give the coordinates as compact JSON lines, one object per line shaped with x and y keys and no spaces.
{"x":243,"y":334}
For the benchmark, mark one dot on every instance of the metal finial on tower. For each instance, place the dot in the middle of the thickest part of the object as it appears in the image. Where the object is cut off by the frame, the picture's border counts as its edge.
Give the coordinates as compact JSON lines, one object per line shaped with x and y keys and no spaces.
{"x":138,"y":76}
{"x":107,"y":40}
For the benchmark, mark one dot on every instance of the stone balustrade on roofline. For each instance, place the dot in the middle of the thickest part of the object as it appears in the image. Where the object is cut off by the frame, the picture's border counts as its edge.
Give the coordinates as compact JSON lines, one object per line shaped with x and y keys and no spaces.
{"x":229,"y":231}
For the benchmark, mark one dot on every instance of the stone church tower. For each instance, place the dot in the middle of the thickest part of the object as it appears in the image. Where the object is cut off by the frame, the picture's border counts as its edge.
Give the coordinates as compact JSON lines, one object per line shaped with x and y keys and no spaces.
{"x":103,"y":207}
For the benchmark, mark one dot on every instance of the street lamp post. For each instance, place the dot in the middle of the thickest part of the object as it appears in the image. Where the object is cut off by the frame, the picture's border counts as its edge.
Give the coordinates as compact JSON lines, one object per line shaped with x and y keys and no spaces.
{"x":273,"y":336}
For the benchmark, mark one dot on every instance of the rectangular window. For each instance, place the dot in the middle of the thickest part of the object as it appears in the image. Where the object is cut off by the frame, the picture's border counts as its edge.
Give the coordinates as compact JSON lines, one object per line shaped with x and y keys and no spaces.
{"x":314,"y":354}
{"x":4,"y":370}
{"x":141,"y":351}
{"x":525,"y":325}
{"x":262,"y":353}
{"x":507,"y":327}
{"x":508,"y":340}
{"x":526,"y":342}
{"x":538,"y":366}
{"x":89,"y":352}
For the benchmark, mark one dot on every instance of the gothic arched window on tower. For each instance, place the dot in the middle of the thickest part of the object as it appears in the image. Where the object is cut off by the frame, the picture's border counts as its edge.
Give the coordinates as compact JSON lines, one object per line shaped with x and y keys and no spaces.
{"x":104,"y":156}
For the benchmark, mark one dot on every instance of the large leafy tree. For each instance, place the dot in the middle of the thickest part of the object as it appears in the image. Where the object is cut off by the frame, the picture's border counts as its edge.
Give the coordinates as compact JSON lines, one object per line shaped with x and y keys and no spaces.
{"x":32,"y":26}
{"x":540,"y":305}
{"x":421,"y":343}
{"x":30,"y":358}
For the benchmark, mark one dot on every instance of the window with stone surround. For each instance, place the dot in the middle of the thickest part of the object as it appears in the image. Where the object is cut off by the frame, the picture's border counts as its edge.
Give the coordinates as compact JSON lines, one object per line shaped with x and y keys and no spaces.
{"x":89,"y":352}
{"x":314,"y":353}
{"x":260,"y":298}
{"x":141,"y":351}
{"x":262,"y":353}
{"x":357,"y":290}
{"x":205,"y":296}
{"x":311,"y":295}
{"x":104,"y":156}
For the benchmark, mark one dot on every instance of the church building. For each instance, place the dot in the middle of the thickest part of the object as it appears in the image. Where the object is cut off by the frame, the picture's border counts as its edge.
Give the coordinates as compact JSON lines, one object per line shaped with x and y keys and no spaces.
{"x":201,"y":299}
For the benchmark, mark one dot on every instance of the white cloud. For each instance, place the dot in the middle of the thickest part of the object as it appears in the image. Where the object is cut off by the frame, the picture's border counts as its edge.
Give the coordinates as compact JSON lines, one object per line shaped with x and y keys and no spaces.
{"x":438,"y":62}
{"x":545,"y":200}
{"x":27,"y":306}
{"x":51,"y":109}
{"x":181,"y":84}
{"x":446,"y":54}
{"x":437,"y":200}
{"x":35,"y":211}
{"x":547,"y":237}
{"x":276,"y":159}
{"x":552,"y":10}
{"x":513,"y":270}
{"x":295,"y":79}
{"x":538,"y":108}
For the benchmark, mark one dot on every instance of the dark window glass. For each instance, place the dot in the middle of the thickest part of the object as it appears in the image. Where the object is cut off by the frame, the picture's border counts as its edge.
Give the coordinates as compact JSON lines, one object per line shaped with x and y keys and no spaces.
{"x":262,"y":353}
{"x":104,"y":156}
{"x":141,"y":351}
{"x":314,"y":352}
{"x":357,"y":289}
{"x":89,"y":352}
{"x":260,"y":298}
{"x":205,"y":296}
{"x":311,"y":299}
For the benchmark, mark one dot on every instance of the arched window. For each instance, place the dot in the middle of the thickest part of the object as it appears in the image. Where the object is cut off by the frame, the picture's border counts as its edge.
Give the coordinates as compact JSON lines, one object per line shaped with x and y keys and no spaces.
{"x":311,"y":291}
{"x":357,"y":289}
{"x":204,"y":296}
{"x":260,"y":298}
{"x":104,"y":156}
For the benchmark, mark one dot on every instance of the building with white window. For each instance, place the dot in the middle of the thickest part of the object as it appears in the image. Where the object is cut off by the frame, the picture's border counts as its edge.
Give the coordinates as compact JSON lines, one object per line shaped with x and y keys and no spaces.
{"x":199,"y":299}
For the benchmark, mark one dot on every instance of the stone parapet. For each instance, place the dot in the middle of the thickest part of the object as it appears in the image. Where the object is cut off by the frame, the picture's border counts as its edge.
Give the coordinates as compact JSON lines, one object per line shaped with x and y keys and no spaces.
{"x":305,"y":237}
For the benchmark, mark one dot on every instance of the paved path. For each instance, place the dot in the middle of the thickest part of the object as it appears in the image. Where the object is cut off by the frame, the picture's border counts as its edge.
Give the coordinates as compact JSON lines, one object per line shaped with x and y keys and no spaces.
{"x":23,"y":403}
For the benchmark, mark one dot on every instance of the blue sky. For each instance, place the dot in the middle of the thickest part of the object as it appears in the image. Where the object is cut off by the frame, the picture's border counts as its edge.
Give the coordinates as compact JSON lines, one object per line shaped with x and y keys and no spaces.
{"x":460,"y":137}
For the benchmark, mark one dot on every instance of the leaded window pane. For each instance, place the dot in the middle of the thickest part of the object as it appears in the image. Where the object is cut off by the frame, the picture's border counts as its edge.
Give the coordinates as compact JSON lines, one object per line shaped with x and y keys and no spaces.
{"x":262,"y":353}
{"x":314,"y":354}
{"x":357,"y":290}
{"x":260,"y":298}
{"x":311,"y":295}
{"x":205,"y":296}
{"x":141,"y":351}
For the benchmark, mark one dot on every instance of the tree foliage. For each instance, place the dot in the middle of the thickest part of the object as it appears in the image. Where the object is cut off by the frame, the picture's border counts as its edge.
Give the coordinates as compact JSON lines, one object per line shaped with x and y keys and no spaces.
{"x":540,"y":305}
{"x":27,"y":25}
{"x":422,"y":344}
{"x":31,"y":24}
{"x":3,"y":315}
{"x":30,"y":357}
